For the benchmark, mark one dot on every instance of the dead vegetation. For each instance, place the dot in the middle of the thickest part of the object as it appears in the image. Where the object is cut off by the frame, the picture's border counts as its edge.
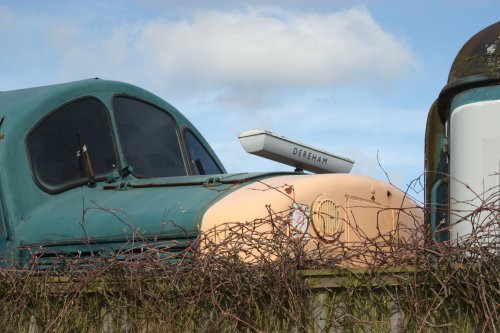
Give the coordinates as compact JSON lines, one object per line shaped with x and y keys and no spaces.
{"x":381,"y":284}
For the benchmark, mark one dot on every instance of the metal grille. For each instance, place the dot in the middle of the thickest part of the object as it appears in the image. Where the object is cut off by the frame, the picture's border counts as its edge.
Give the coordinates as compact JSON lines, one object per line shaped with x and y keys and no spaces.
{"x":327,"y":218}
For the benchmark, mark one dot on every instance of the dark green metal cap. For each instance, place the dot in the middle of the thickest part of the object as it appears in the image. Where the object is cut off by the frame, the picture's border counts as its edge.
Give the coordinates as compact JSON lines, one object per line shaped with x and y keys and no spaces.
{"x":476,"y":64}
{"x":480,"y":55}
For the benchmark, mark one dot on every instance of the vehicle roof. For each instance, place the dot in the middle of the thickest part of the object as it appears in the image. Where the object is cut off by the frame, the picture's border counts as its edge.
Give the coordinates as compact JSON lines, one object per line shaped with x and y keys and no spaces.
{"x":23,"y":102}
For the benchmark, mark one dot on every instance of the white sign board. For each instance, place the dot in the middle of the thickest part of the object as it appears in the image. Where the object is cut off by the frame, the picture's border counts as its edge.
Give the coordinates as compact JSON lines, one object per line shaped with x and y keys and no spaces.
{"x":296,"y":154}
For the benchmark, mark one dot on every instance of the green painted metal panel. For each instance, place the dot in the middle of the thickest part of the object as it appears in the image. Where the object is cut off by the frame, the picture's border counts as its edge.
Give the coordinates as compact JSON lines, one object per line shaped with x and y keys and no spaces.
{"x":480,"y":94}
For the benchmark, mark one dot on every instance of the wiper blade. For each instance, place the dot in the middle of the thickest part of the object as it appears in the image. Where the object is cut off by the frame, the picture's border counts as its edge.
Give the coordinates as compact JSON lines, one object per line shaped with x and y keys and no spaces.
{"x":84,"y":159}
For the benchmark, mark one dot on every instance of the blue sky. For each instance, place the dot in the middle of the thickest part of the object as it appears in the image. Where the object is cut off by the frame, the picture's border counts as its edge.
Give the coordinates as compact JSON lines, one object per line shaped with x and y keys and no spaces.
{"x":353,"y":77}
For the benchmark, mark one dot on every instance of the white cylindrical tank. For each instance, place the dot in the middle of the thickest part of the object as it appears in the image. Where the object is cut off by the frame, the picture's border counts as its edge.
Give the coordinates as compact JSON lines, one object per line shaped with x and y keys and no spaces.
{"x":474,"y":166}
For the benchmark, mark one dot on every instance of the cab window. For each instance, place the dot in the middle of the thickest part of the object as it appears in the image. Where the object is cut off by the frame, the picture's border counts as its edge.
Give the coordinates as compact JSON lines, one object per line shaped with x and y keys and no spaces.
{"x":201,"y":161}
{"x":72,"y":144}
{"x":149,"y":140}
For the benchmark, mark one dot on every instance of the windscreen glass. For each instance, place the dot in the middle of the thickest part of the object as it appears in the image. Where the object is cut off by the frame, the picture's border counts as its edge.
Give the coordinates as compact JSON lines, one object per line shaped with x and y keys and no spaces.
{"x":149,"y":139}
{"x":72,"y":145}
{"x":201,"y":161}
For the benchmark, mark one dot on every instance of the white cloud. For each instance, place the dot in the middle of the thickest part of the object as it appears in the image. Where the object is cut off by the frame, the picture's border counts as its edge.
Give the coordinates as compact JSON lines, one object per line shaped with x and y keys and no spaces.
{"x":233,"y":50}
{"x":269,"y":47}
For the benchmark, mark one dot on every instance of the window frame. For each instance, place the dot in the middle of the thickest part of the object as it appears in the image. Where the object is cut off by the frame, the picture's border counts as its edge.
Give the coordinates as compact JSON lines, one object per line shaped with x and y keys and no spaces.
{"x":59,"y":189}
{"x":180,"y":139}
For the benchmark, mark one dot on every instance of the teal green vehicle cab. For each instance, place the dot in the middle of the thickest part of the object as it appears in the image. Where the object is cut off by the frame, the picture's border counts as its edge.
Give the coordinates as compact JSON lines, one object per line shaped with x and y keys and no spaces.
{"x":96,"y":167}
{"x":71,"y":155}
